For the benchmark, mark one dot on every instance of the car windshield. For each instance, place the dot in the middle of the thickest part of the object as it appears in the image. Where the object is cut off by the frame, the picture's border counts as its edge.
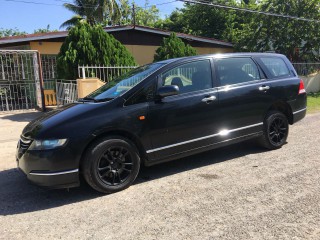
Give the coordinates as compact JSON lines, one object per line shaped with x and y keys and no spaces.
{"x":123,"y":83}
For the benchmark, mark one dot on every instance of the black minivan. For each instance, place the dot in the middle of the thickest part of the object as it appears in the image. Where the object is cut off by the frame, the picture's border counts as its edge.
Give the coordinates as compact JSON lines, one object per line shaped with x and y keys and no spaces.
{"x":160,"y":112}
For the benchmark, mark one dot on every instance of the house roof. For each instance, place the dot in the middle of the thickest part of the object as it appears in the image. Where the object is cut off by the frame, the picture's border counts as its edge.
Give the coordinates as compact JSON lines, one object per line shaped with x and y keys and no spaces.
{"x":63,"y":34}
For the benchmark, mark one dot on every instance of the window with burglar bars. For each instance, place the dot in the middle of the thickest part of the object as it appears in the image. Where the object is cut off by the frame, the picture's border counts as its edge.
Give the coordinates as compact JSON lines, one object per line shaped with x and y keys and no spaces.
{"x":16,"y":66}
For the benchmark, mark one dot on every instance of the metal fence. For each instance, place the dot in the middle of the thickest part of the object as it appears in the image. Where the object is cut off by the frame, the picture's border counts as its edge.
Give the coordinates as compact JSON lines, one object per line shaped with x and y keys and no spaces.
{"x":304,"y":69}
{"x":104,"y":73}
{"x":49,"y":84}
{"x":20,"y":80}
{"x":66,"y":92}
{"x":15,"y":96}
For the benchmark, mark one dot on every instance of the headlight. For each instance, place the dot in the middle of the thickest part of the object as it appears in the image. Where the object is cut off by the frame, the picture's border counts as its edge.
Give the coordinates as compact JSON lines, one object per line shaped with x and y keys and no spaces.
{"x":47,"y":144}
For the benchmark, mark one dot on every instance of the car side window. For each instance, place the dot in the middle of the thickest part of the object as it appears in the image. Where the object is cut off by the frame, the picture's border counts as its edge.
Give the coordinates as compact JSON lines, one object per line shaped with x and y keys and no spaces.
{"x":189,"y":77}
{"x":236,"y":70}
{"x":276,"y":66}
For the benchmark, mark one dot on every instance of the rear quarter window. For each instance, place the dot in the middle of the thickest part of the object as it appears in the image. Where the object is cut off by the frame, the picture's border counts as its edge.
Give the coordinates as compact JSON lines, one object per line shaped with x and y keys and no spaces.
{"x":276,"y":66}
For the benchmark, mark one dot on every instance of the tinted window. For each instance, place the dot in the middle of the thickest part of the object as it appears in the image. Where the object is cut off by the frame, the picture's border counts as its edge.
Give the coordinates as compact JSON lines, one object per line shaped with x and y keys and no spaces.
{"x":189,"y":77}
{"x":276,"y":66}
{"x":236,"y":70}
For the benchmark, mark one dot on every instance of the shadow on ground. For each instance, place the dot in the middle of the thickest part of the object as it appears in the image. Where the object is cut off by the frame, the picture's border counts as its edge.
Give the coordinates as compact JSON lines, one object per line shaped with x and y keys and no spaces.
{"x":199,"y":160}
{"x":21,"y":117}
{"x":17,"y":195}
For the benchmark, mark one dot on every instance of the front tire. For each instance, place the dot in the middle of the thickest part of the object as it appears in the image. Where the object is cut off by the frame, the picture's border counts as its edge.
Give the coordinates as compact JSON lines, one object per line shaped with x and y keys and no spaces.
{"x":111,"y":164}
{"x":276,"y":130}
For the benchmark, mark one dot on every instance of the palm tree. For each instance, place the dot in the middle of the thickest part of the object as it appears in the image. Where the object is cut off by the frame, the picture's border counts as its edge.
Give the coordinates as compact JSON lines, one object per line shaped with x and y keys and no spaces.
{"x":92,"y":11}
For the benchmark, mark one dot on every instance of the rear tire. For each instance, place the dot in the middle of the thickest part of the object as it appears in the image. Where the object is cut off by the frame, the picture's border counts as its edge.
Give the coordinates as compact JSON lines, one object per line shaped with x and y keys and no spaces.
{"x":111,"y":164}
{"x":276,"y":130}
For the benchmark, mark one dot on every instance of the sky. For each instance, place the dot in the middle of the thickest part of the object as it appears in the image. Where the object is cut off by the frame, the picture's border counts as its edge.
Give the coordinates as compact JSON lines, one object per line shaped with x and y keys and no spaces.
{"x":37,"y":14}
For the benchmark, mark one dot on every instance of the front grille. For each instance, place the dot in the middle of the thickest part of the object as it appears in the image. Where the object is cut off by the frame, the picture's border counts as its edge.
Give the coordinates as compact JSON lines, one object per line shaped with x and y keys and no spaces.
{"x":24,"y":144}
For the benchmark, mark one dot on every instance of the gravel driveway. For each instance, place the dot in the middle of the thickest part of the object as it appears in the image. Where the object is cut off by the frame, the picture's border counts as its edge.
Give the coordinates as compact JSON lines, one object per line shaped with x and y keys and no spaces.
{"x":237,"y":192}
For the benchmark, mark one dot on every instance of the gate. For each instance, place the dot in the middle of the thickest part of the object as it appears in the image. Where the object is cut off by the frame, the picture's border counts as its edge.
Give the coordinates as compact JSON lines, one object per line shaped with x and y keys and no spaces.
{"x":66,"y":91}
{"x":20,"y":80}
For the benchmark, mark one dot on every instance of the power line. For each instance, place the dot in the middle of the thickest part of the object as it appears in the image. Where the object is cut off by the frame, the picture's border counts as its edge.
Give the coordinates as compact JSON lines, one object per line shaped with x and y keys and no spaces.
{"x":52,"y":4}
{"x":159,"y":4}
{"x":249,"y":10}
{"x":85,"y":5}
{"x":149,"y":5}
{"x":29,"y":2}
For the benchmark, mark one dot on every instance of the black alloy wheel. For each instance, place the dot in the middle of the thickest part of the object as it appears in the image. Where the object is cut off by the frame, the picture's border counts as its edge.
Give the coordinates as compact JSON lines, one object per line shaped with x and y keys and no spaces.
{"x":115,"y":166}
{"x":111,"y":164}
{"x":276,"y":130}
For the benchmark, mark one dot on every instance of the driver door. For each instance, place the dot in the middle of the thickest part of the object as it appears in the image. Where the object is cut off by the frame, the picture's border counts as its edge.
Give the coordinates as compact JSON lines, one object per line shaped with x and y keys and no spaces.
{"x":185,"y":121}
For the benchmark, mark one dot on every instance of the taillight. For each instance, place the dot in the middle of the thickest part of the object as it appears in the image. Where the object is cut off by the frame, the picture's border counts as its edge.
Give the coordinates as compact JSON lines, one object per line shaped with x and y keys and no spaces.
{"x":301,"y":88}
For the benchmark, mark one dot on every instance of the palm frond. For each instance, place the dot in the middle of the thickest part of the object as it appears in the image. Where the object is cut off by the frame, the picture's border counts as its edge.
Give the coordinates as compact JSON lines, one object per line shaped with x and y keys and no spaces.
{"x":95,"y":11}
{"x":71,"y":22}
{"x":73,"y":8}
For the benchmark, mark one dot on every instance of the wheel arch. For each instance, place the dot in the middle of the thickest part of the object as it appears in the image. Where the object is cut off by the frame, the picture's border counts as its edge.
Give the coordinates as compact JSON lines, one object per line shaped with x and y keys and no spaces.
{"x":283,"y":107}
{"x":121,"y":133}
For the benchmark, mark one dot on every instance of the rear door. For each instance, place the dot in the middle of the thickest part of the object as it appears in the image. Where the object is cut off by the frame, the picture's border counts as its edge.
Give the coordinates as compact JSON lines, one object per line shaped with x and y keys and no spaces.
{"x":244,"y":96}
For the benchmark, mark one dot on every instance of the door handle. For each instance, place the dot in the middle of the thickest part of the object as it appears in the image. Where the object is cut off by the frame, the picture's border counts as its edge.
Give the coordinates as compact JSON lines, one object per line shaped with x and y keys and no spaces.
{"x":264,"y":88}
{"x":209,"y":99}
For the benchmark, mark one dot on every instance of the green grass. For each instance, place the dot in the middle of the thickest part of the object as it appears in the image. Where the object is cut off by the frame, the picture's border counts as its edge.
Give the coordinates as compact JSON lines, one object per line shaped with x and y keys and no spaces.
{"x":313,"y":102}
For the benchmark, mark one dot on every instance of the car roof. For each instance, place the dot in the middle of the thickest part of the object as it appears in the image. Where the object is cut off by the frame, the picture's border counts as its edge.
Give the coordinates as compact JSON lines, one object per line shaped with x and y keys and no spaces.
{"x":221,"y":55}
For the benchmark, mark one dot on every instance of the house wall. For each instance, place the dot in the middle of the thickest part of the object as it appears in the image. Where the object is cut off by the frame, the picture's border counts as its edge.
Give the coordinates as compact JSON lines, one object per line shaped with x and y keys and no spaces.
{"x":46,"y":47}
{"x":312,"y":82}
{"x":208,"y":50}
{"x":143,"y":54}
{"x":16,"y":47}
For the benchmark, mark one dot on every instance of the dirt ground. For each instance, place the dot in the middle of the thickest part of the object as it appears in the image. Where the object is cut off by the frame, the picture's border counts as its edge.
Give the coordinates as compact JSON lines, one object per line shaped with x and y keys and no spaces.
{"x":236,"y":192}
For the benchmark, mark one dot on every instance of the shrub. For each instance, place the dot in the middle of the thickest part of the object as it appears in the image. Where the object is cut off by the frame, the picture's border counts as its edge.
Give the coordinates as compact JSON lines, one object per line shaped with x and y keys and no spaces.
{"x":173,"y":47}
{"x":90,"y":45}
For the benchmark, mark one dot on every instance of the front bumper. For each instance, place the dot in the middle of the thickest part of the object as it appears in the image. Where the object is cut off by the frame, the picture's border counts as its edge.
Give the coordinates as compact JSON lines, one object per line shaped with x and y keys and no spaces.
{"x":55,"y":168}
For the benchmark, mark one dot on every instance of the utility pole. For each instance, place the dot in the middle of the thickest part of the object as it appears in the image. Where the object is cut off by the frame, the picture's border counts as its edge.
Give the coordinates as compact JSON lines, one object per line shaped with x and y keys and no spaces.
{"x":134,"y":15}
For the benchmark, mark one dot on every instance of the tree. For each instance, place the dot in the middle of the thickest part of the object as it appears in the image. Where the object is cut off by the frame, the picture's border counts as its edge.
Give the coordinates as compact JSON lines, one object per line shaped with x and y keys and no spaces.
{"x":126,"y":13}
{"x":173,"y":47}
{"x":175,"y":22}
{"x":10,"y":32}
{"x":148,"y":15}
{"x":93,"y":11}
{"x":198,"y":19}
{"x":44,"y":30}
{"x":250,"y":31}
{"x":298,"y":40}
{"x":90,"y":45}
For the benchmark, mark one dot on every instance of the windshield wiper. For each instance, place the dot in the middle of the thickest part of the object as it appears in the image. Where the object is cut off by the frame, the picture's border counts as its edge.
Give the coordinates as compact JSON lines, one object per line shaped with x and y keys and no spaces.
{"x":87,"y":99}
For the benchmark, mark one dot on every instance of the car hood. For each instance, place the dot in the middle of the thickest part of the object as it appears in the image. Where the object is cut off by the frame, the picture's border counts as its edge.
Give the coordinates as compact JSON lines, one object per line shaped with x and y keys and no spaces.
{"x":51,"y":123}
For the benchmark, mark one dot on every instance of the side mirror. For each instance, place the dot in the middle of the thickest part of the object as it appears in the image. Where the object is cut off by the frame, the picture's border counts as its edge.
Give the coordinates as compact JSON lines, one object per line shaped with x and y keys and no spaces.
{"x":169,"y":90}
